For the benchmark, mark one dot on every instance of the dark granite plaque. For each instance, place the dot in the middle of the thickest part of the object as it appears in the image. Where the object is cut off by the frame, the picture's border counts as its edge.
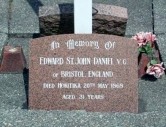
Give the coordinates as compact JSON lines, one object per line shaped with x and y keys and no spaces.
{"x":83,"y":72}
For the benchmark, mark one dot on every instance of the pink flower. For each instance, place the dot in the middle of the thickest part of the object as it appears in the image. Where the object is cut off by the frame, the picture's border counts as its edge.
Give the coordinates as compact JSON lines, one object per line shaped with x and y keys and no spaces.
{"x":140,"y":38}
{"x":150,"y":37}
{"x":143,"y":38}
{"x":157,"y":70}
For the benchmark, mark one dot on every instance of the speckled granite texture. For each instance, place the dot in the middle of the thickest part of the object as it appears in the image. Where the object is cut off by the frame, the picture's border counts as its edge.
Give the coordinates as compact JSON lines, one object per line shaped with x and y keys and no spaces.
{"x":124,"y":99}
{"x":143,"y":16}
{"x":24,"y":17}
{"x":4,"y":16}
{"x":159,"y":16}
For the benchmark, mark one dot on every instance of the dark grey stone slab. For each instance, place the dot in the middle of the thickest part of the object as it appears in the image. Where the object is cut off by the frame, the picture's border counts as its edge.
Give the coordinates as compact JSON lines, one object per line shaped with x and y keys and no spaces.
{"x":24,"y":17}
{"x":20,"y":118}
{"x":24,"y":43}
{"x":4,"y":6}
{"x":159,"y":119}
{"x":102,"y":119}
{"x":152,"y":95}
{"x":161,"y":41}
{"x":26,"y":118}
{"x":129,"y":120}
{"x":159,"y":16}
{"x":148,"y":120}
{"x":12,"y":91}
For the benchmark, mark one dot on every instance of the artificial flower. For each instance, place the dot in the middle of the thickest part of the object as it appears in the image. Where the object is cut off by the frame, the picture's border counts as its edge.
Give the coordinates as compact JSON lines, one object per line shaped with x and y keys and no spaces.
{"x":140,"y":38}
{"x":156,"y":70}
{"x":150,"y":37}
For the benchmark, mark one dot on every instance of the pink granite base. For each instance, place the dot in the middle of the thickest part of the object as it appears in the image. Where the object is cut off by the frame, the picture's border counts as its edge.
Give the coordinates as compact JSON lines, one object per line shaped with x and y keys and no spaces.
{"x":13,"y":60}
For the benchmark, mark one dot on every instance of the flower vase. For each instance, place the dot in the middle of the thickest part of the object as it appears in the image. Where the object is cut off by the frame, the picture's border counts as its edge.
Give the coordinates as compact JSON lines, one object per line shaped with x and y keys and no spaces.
{"x":143,"y":61}
{"x":142,"y":64}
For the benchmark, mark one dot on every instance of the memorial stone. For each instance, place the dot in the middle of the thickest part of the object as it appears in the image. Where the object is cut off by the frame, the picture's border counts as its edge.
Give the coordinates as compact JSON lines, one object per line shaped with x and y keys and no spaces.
{"x":92,"y":72}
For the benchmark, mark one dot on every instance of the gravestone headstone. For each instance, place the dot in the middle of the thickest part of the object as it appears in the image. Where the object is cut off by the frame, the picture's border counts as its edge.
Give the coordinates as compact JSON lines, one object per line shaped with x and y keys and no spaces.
{"x":83,"y":72}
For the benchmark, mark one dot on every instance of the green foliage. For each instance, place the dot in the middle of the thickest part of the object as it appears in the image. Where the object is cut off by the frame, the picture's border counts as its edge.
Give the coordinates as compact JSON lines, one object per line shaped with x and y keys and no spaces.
{"x":141,"y":50}
{"x":153,"y":62}
{"x":146,"y":49}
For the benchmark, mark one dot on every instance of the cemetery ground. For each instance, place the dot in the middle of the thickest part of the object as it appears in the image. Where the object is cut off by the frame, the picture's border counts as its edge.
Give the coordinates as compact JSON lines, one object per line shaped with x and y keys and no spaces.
{"x":19,"y":23}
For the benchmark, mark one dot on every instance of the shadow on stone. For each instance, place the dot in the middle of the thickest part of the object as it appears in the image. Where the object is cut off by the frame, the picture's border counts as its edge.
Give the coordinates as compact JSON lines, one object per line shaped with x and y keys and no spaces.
{"x":26,"y":84}
{"x":36,"y":36}
{"x":141,"y":106}
{"x":66,"y":24}
{"x":35,"y":4}
{"x":24,"y":105}
{"x":62,"y":23}
{"x":149,"y":78}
